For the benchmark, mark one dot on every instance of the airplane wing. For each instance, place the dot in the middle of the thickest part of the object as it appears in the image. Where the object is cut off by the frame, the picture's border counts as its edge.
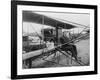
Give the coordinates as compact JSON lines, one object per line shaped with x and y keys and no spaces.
{"x":37,"y":53}
{"x":30,"y":16}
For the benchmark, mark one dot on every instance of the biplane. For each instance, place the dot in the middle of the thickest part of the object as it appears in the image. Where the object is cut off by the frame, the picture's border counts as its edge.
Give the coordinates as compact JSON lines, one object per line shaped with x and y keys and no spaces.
{"x":41,"y":51}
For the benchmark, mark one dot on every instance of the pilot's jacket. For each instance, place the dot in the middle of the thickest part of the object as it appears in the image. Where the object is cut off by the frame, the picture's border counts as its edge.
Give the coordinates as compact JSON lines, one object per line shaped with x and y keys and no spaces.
{"x":68,"y":47}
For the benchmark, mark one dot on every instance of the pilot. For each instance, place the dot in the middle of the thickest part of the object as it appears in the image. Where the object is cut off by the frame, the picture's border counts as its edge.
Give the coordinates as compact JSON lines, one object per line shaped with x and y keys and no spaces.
{"x":68,"y":47}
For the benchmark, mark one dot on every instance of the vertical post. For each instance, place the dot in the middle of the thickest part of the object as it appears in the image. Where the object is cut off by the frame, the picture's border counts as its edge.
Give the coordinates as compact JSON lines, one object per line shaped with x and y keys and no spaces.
{"x":30,"y":63}
{"x":56,"y":34}
{"x":73,"y":34}
{"x":27,"y":36}
{"x":43,"y":27}
{"x":43,"y":31}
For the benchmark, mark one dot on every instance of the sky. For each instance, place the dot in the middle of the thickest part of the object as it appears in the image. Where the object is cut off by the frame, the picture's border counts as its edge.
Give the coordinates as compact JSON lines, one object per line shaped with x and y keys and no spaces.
{"x":83,"y":19}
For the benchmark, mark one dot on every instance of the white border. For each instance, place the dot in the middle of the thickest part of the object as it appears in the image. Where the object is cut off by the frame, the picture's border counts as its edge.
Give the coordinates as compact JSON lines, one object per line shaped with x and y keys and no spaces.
{"x":21,"y":71}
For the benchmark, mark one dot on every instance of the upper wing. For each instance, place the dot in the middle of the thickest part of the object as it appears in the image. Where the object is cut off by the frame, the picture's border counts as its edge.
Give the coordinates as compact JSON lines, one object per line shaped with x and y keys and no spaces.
{"x":30,"y":16}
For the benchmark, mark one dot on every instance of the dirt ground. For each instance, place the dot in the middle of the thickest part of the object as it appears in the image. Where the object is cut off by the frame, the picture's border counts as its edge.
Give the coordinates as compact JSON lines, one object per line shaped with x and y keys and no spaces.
{"x":83,"y":48}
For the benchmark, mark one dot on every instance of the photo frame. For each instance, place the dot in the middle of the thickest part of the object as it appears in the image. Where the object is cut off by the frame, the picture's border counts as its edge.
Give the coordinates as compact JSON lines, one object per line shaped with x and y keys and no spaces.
{"x":29,"y":26}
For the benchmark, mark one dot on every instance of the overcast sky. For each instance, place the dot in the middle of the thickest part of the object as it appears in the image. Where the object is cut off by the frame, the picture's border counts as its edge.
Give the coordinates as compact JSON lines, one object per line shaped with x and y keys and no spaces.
{"x":84,"y":19}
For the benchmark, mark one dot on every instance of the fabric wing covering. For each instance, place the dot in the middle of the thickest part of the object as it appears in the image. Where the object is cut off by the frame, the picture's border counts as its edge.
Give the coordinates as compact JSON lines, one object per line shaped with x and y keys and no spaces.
{"x":30,"y":16}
